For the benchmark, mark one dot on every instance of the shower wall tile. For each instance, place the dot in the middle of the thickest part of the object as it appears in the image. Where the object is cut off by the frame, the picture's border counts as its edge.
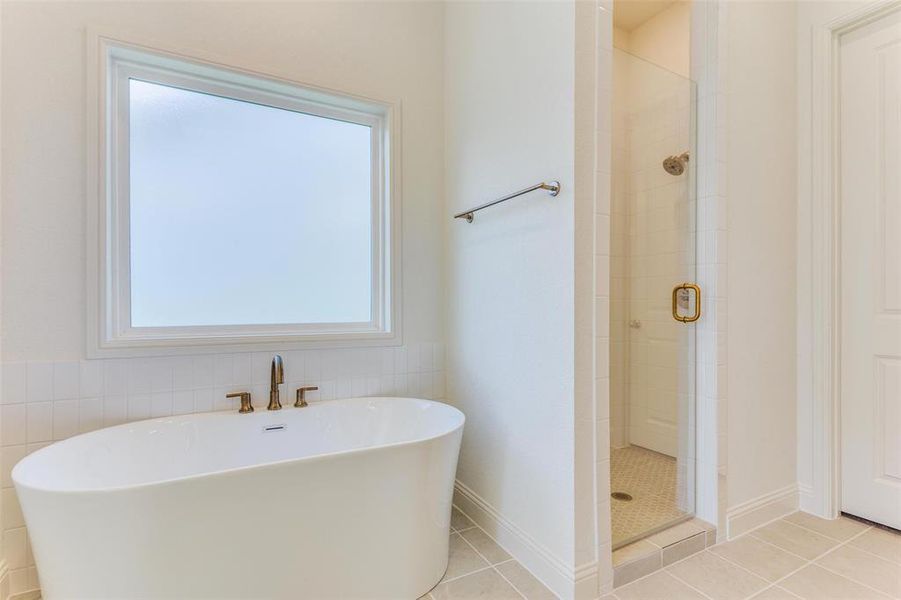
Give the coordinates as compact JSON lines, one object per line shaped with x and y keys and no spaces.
{"x":65,"y":380}
{"x":659,"y":218}
{"x":14,"y":377}
{"x":45,"y":402}
{"x":39,"y":382}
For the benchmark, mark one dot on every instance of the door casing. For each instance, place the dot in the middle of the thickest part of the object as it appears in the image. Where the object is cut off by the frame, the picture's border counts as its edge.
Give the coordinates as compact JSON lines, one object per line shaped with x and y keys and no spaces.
{"x":821,"y":336}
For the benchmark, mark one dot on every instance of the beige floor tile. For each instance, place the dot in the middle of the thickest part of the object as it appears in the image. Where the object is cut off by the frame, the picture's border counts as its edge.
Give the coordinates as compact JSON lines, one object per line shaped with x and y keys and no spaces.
{"x":814,"y":583}
{"x":775,"y":593}
{"x":716,"y":577}
{"x":634,"y":551}
{"x":760,"y":558}
{"x":885,"y":544}
{"x":636,"y":569}
{"x":524,"y":581}
{"x":459,"y":521}
{"x":462,"y":558}
{"x":484,"y":585}
{"x":683,"y":549}
{"x":659,"y":586}
{"x":865,"y":568}
{"x":486,"y":546}
{"x":842,"y":528}
{"x":676,"y":533}
{"x":796,"y":540}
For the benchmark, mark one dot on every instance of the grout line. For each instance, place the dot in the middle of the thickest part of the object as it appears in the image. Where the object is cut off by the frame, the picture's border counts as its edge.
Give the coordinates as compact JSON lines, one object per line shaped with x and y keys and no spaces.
{"x":492,"y":565}
{"x":677,"y":578}
{"x":818,"y":557}
{"x":479,"y":570}
{"x":787,"y":591}
{"x":755,"y":529}
{"x":662,"y":569}
{"x":516,"y":589}
{"x":880,"y":557}
{"x":778,"y":547}
{"x":831,"y":537}
{"x":776,"y":583}
{"x":511,"y":559}
{"x":857,"y":581}
{"x":659,"y":551}
{"x":776,"y":587}
{"x":476,"y":550}
{"x":744,"y":568}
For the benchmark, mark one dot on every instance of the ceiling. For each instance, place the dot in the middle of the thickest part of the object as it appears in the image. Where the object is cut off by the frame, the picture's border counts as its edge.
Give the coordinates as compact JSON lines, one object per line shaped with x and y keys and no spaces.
{"x":629,"y":14}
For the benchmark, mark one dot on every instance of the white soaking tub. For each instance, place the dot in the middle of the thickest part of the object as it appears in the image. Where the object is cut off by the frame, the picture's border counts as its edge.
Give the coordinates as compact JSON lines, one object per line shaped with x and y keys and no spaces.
{"x":342,"y":499}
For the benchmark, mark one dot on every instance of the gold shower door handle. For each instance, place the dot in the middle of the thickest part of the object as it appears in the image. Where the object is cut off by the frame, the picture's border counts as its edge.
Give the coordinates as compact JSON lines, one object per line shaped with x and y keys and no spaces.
{"x":687,"y":288}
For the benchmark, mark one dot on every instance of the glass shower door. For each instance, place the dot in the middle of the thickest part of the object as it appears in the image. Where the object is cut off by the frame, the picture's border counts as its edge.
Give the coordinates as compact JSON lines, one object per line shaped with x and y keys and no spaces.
{"x":653,"y":299}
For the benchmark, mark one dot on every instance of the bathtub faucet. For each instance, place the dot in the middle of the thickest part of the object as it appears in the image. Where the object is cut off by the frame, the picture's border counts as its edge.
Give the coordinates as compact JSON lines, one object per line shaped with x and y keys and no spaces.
{"x":276,"y":376}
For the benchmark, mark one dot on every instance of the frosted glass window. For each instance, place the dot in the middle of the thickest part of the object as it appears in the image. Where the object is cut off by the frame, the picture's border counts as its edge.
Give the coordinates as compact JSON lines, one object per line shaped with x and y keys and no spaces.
{"x":246,"y":214}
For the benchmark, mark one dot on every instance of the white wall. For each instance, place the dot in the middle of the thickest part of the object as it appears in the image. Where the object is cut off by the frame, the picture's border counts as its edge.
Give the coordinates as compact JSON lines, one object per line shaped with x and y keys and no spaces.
{"x":761,"y":191}
{"x":320,"y":43}
{"x":387,"y":50}
{"x":663,"y":39}
{"x":509,"y":111}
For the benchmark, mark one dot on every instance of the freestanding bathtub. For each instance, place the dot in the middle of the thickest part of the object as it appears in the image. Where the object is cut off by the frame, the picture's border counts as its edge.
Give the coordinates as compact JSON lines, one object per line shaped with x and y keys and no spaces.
{"x":342,"y":499}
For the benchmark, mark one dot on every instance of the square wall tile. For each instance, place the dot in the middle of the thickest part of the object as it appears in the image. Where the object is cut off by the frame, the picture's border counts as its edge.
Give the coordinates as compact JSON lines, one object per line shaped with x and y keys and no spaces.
{"x":14,"y":378}
{"x":39,"y":382}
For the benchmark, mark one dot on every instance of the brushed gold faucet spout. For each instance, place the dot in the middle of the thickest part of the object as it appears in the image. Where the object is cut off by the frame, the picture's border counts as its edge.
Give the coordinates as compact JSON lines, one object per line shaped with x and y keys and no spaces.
{"x":276,"y":376}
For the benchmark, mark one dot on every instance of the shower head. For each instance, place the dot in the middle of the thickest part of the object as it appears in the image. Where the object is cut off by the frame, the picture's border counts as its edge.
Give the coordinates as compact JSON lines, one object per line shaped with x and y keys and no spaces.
{"x":675,"y":165}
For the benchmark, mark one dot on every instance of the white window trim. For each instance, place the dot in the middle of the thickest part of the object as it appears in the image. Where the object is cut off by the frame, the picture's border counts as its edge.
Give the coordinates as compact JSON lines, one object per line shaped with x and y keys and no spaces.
{"x":109,"y":332}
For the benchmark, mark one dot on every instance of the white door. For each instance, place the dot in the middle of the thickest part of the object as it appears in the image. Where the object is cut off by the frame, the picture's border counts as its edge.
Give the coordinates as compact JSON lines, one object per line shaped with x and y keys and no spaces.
{"x":870,"y":158}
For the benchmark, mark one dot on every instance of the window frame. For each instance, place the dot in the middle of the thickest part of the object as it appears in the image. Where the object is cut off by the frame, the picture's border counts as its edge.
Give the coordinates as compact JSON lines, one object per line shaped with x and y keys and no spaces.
{"x":109,"y":283}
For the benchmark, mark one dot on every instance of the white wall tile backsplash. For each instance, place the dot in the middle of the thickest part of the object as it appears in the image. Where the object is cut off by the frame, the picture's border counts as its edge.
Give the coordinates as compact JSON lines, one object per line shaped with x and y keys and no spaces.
{"x":43,"y":402}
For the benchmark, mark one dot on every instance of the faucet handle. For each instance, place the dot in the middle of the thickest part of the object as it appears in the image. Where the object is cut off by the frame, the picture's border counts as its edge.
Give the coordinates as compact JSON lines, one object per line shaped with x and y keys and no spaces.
{"x":246,"y":406}
{"x":301,"y":401}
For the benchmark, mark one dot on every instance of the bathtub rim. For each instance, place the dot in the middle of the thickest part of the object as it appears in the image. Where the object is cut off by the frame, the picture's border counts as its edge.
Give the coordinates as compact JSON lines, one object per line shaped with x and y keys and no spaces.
{"x":222,"y":472}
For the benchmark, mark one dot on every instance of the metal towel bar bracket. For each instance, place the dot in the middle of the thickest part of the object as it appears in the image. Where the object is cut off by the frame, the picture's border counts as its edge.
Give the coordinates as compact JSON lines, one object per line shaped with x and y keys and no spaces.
{"x":552,"y":187}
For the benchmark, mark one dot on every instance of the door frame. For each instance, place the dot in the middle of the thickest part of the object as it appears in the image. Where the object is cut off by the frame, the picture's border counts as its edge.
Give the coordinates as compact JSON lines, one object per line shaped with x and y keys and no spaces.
{"x":819,"y":339}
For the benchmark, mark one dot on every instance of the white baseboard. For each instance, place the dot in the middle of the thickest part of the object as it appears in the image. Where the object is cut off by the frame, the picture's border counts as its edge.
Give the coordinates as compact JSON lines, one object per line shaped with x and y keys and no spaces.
{"x":761,"y":510}
{"x":811,"y":502}
{"x":566,"y":582}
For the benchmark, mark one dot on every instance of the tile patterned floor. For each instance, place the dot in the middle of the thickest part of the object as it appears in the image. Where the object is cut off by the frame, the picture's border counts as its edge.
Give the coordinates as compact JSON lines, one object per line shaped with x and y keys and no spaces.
{"x":800,"y":556}
{"x":650,"y":478}
{"x":662,"y":549}
{"x":479,"y":568}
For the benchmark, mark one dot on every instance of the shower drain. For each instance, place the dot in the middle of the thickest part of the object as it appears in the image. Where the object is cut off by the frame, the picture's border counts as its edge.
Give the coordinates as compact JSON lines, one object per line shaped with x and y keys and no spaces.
{"x":621,"y":496}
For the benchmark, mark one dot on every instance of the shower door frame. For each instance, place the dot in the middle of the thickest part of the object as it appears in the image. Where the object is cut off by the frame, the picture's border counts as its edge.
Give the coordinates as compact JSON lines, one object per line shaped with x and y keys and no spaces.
{"x":689,"y":348}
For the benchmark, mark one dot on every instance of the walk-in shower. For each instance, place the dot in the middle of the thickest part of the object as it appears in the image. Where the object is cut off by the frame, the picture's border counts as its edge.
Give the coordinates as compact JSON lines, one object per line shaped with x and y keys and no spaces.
{"x":652,"y":346}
